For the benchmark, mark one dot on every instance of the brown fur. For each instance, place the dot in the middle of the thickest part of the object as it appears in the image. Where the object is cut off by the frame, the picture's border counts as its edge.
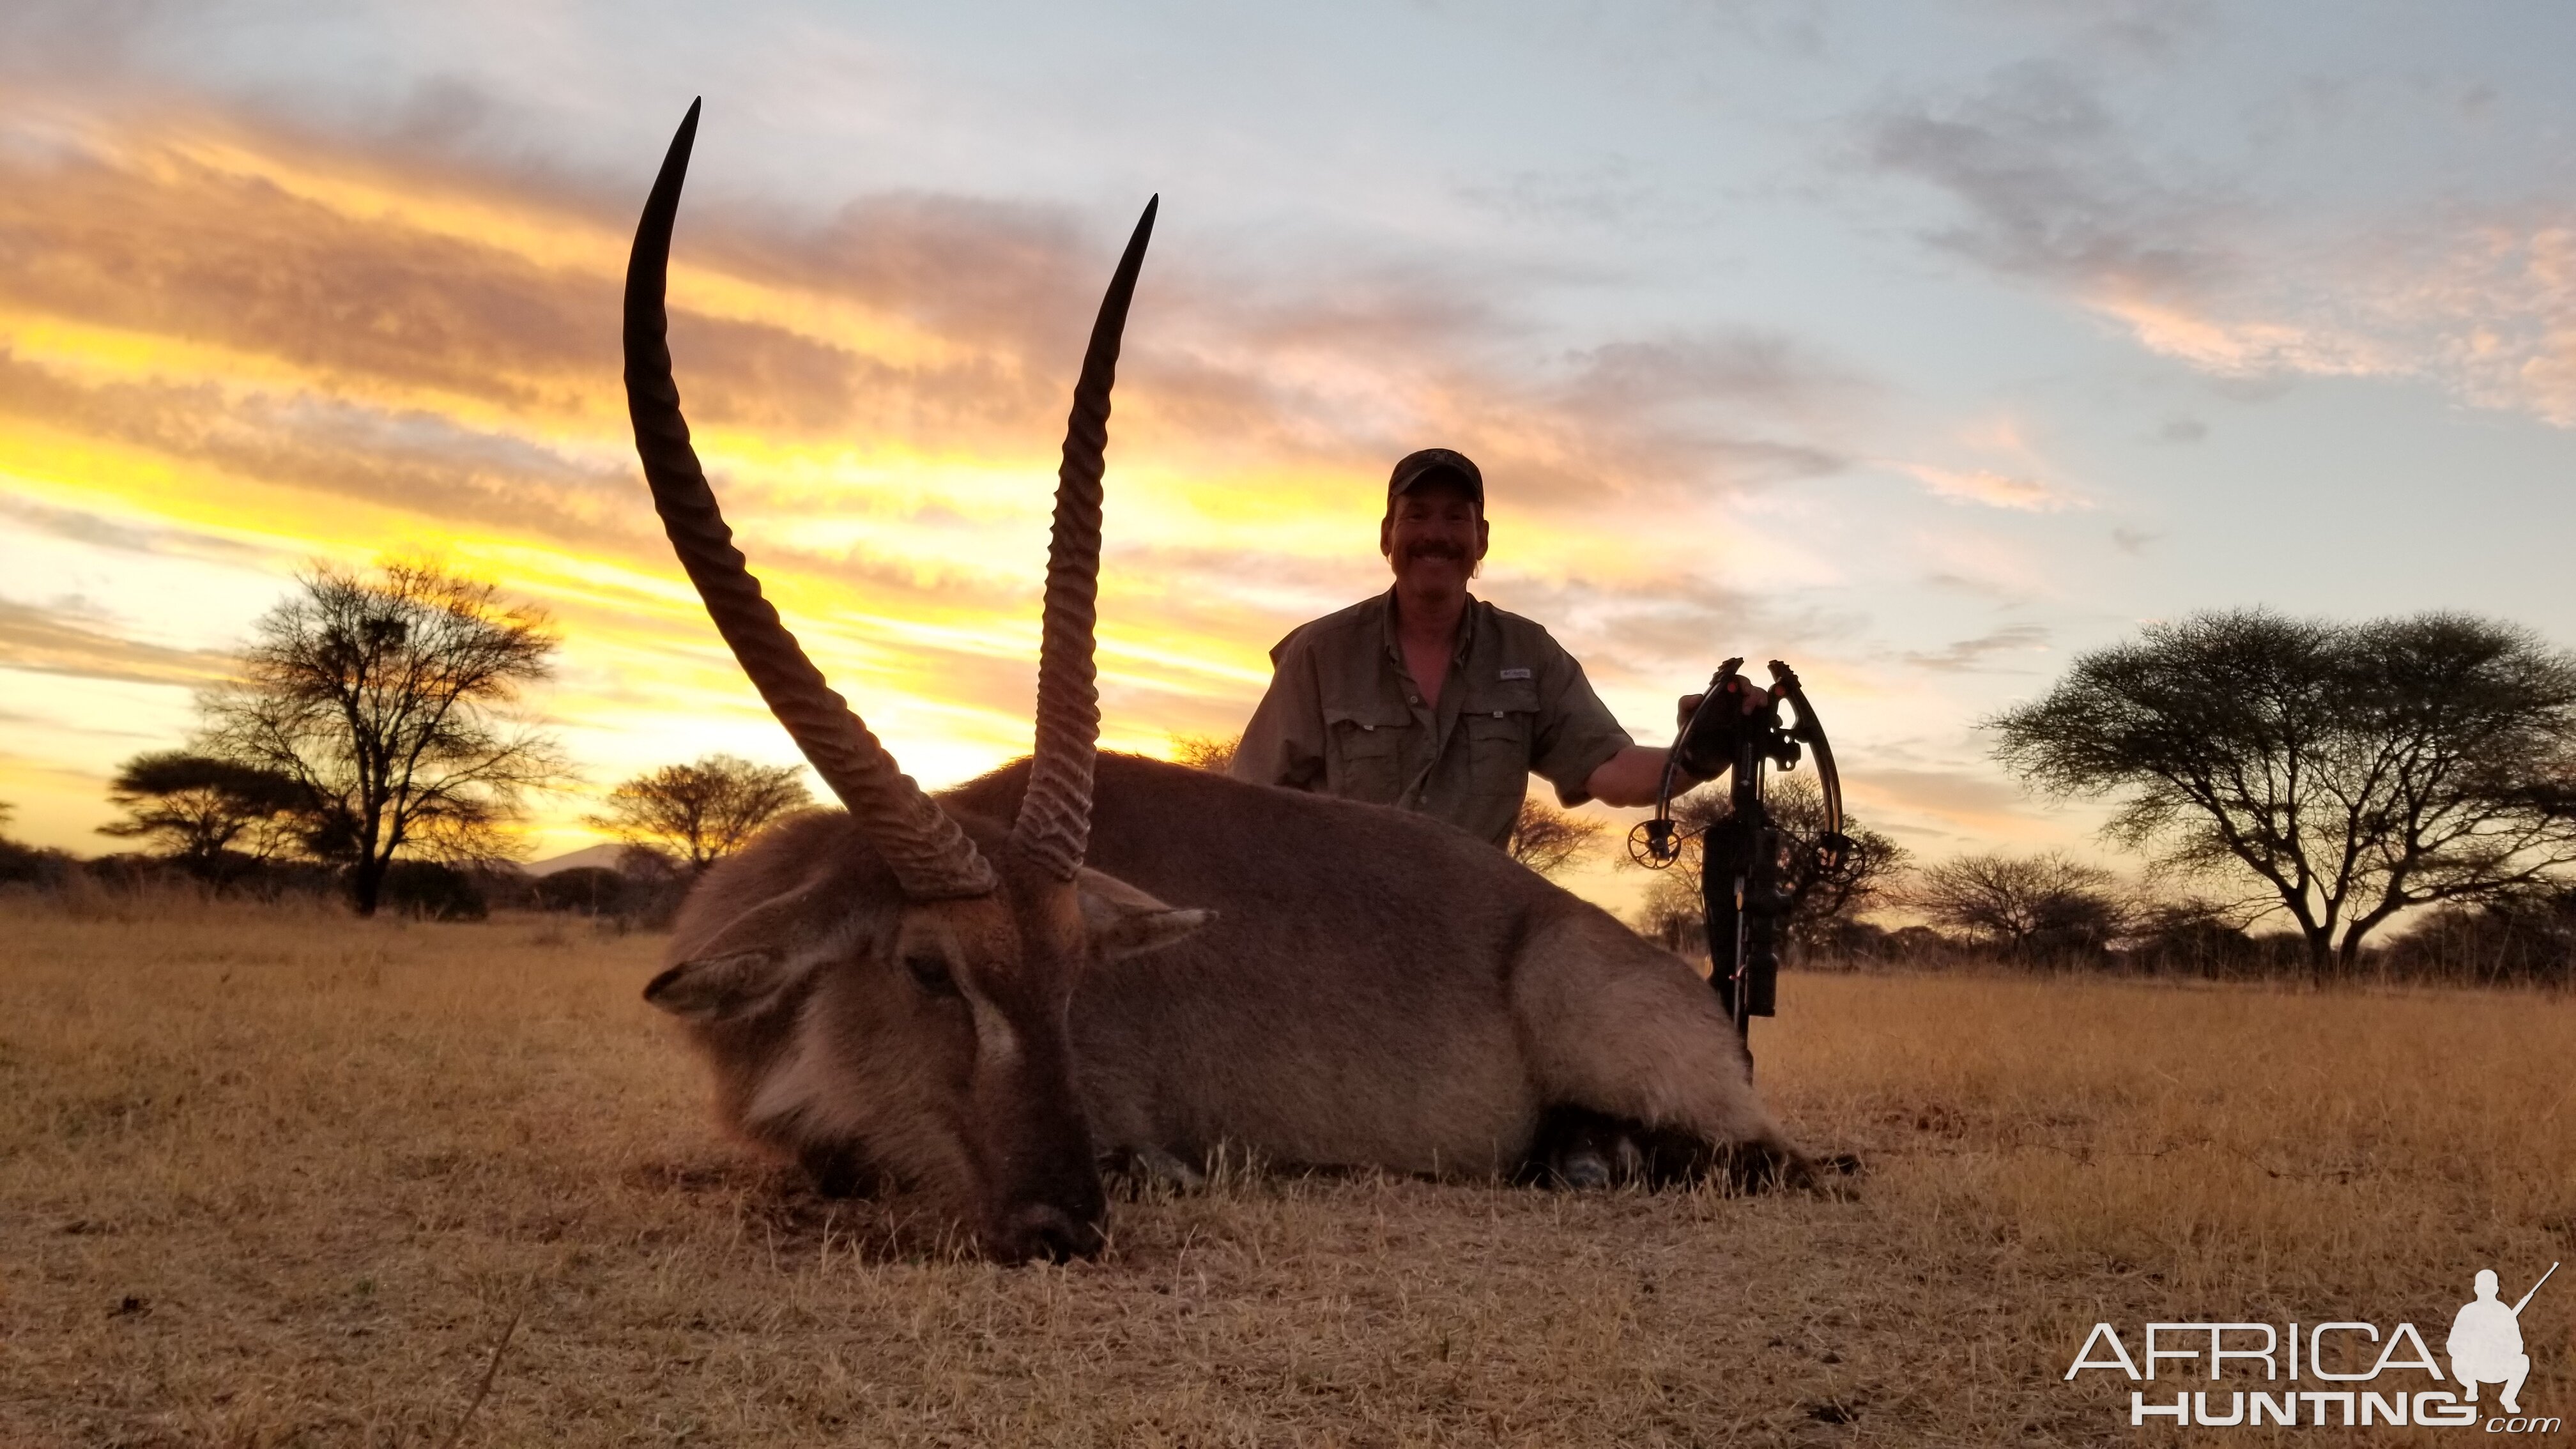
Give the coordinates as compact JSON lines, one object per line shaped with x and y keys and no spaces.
{"x":924,"y":1042}
{"x":1376,"y":989}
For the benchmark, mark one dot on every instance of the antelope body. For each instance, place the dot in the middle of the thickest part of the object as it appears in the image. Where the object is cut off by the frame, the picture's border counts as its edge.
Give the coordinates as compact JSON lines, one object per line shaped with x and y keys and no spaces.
{"x":1426,"y":1018}
{"x":1376,"y":989}
{"x":943,"y":993}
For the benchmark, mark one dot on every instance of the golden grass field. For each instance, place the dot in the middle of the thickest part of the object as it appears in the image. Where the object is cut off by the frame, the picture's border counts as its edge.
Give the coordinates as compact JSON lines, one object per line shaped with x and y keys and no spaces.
{"x":273,"y":1177}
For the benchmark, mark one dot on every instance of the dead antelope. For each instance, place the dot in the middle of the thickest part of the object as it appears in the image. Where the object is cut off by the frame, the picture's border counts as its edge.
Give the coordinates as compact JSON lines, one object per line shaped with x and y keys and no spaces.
{"x":916,"y":991}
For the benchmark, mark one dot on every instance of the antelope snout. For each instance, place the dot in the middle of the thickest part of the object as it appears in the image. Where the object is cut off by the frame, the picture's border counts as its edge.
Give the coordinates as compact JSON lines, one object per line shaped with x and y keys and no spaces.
{"x":1043,"y":1230}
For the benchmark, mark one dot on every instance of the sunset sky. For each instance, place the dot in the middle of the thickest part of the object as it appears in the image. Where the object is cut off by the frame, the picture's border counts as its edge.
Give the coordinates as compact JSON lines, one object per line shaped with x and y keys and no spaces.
{"x":1926,"y":346}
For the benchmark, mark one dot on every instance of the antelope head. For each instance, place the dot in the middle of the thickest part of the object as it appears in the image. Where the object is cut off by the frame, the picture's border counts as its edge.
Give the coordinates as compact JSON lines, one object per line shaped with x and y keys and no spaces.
{"x":898,"y":986}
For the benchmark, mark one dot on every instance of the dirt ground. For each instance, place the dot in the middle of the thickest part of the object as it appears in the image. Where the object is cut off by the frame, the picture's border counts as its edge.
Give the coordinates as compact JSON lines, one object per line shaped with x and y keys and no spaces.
{"x":271,"y":1177}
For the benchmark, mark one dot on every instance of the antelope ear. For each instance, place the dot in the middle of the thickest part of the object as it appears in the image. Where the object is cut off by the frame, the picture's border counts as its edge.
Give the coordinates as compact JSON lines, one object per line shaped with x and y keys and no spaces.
{"x":1125,"y":921}
{"x":720,"y":988}
{"x":748,"y":963}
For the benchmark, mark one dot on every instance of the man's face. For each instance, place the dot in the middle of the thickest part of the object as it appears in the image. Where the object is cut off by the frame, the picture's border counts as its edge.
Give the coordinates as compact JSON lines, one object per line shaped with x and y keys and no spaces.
{"x":1433,"y":538}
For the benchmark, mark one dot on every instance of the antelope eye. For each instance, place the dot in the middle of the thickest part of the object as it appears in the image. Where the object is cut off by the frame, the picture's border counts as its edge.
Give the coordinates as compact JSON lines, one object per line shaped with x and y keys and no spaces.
{"x":931,"y":970}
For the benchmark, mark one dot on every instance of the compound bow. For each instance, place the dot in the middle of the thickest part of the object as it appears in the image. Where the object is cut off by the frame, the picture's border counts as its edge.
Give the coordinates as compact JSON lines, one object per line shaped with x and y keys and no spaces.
{"x":1742,"y":853}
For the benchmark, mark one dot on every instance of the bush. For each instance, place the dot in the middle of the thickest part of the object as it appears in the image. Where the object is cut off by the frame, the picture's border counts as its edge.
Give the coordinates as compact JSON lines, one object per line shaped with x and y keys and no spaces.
{"x":590,"y":890}
{"x":2046,"y":912}
{"x":33,"y":865}
{"x":1841,"y":943}
{"x":2521,"y":939}
{"x":434,"y":892}
{"x":655,"y":886}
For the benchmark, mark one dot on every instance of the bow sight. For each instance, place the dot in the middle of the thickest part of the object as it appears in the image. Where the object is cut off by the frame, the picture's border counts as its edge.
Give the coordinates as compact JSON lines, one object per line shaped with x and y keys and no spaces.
{"x":1737,"y":726}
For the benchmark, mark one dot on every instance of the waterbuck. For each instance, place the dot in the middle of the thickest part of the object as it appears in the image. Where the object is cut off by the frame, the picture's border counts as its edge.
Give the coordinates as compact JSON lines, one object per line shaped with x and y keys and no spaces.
{"x":939,"y":992}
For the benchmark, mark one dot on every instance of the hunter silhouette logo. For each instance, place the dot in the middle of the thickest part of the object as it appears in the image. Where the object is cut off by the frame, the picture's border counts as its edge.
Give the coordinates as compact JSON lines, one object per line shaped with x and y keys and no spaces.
{"x":2486,"y":1342}
{"x":2361,"y":1376}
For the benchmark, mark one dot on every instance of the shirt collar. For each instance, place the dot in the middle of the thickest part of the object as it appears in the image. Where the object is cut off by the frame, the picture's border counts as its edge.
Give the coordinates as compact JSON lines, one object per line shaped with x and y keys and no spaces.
{"x":1468,"y":620}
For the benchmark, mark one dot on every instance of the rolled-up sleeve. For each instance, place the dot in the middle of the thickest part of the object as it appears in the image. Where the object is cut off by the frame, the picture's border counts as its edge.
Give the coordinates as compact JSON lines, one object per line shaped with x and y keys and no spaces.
{"x":1576,"y":733}
{"x":1284,"y":744}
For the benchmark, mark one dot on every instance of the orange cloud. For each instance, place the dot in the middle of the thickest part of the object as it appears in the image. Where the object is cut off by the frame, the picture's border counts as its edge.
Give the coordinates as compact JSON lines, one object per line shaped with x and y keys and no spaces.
{"x":1993,"y":489}
{"x":49,"y":641}
{"x":255,"y":350}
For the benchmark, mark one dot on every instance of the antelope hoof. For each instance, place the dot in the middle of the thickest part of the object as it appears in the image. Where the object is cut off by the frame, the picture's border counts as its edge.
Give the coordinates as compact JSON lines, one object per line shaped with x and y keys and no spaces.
{"x":1041,"y":1230}
{"x":1582,"y":1168}
{"x":837,"y":1170}
{"x":1152,"y":1166}
{"x":1751,"y":1167}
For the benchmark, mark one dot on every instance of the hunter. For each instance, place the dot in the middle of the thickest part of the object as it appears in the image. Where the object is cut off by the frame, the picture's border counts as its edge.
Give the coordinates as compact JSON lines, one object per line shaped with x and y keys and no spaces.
{"x":1434,"y":701}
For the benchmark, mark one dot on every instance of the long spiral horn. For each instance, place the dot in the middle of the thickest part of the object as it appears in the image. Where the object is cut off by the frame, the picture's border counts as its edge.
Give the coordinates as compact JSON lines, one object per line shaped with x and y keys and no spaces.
{"x":1054,"y":824}
{"x":931,"y":857}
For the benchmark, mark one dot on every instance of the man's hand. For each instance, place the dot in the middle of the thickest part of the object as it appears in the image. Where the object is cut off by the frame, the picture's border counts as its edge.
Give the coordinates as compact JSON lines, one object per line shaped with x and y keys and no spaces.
{"x":1709,"y":750}
{"x":1634,"y":775}
{"x":1753,"y":698}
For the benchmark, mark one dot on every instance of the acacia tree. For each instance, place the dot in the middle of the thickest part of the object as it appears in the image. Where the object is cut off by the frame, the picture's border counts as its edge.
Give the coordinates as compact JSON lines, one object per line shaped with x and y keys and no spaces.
{"x":198,"y":807}
{"x":19,"y":862}
{"x":1549,"y":840}
{"x":702,"y":812}
{"x":2022,"y":905}
{"x":390,"y":700}
{"x":1814,"y":896}
{"x":1671,"y":913}
{"x":1212,"y":753}
{"x":2344,"y":771}
{"x":1818,"y":896}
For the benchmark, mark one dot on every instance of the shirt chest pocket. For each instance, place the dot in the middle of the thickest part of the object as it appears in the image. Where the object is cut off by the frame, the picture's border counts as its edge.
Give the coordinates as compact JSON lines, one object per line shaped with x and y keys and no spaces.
{"x":1501,"y":725}
{"x":1364,"y":759}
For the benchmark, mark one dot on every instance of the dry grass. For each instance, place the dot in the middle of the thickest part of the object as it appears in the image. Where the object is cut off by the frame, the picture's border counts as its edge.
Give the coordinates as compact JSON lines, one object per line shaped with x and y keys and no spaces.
{"x":269,"y":1178}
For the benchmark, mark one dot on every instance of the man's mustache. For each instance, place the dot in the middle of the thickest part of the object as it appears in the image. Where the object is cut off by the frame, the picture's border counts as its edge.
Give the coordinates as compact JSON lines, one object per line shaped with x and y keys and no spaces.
{"x":1434,"y":550}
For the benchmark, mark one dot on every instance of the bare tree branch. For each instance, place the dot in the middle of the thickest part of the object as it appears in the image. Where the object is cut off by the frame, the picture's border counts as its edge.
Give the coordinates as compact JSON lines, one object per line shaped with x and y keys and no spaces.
{"x":389,"y":700}
{"x":1549,"y":840}
{"x":2023,"y":906}
{"x":1212,"y":753}
{"x":1817,"y":899}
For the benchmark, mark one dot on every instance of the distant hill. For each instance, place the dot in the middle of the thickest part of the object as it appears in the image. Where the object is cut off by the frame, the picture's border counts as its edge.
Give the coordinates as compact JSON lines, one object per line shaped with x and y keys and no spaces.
{"x":603,"y":855}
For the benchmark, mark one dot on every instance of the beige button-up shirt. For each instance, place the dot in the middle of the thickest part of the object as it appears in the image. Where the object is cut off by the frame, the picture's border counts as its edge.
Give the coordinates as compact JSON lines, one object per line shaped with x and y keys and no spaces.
{"x":1344,"y":717}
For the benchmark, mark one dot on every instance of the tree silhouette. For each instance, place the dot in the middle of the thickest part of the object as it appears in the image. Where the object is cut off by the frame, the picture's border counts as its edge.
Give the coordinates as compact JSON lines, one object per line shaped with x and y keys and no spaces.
{"x":2024,"y":906}
{"x":703,"y":812}
{"x":1549,"y":840}
{"x":1213,"y":753}
{"x":27,"y":863}
{"x":1815,"y":897}
{"x":198,"y":807}
{"x":1671,"y":913}
{"x":389,"y":700}
{"x":2345,"y":772}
